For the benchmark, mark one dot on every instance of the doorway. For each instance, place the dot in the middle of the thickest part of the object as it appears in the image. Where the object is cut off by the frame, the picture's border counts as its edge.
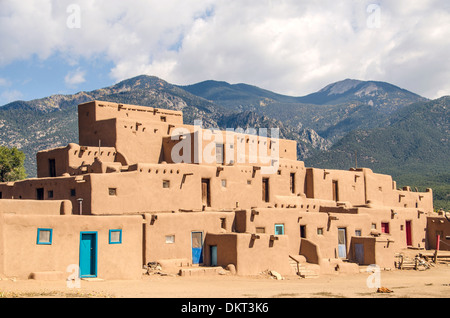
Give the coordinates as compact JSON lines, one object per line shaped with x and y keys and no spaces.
{"x":342,"y":242}
{"x":408,"y":234}
{"x":206,"y":192}
{"x":213,"y":251}
{"x":197,"y":247}
{"x":88,"y":254}
{"x":265,"y":189}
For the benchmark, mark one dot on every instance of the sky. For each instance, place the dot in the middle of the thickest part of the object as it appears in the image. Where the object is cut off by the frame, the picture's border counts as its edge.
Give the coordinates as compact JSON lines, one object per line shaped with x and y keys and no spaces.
{"x":291,"y":47}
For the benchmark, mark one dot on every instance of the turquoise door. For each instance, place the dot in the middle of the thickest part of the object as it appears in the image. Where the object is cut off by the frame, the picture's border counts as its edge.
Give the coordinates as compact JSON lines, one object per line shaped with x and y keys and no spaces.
{"x":88,"y":254}
{"x":214,"y":255}
{"x":197,"y":247}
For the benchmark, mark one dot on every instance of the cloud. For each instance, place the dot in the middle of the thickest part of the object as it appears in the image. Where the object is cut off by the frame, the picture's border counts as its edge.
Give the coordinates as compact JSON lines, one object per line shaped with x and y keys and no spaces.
{"x":289,"y":46}
{"x":8,"y":96}
{"x":73,"y":78}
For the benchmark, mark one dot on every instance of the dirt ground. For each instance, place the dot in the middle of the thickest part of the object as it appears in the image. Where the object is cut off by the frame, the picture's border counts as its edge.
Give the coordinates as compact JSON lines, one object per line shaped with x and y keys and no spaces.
{"x":430,"y":283}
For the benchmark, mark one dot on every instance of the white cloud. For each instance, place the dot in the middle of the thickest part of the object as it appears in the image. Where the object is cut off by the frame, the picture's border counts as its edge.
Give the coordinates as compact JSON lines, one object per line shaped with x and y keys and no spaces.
{"x":73,"y":78}
{"x":289,"y":46}
{"x":8,"y":96}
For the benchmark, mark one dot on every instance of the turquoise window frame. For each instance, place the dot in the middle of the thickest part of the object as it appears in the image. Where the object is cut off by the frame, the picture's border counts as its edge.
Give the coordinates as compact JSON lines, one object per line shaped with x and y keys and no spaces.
{"x":279,"y":226}
{"x":38,"y":242}
{"x":112,"y":231}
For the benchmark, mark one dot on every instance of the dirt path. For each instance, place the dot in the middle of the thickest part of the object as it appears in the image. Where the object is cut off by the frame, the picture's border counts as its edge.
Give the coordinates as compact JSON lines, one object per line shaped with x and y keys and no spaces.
{"x":432,"y":283}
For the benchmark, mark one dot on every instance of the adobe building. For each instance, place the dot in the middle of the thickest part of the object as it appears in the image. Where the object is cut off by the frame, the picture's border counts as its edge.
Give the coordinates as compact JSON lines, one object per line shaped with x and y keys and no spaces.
{"x":143,"y":187}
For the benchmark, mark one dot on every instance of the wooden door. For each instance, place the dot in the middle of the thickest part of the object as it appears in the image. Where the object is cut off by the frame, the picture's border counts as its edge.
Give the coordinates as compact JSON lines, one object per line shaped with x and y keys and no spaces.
{"x":206,"y":192}
{"x":408,"y":233}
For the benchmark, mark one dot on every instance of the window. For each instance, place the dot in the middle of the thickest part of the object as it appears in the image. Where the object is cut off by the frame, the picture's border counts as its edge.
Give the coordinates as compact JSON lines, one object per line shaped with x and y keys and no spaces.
{"x":112,"y":191}
{"x":292,"y":183}
{"x":249,"y":182}
{"x":51,"y":167}
{"x":320,"y":231}
{"x":357,"y":232}
{"x":163,"y":119}
{"x":224,"y":183}
{"x":374,"y":226}
{"x":50,"y":194}
{"x":115,"y":236}
{"x":279,"y":229}
{"x":73,"y":192}
{"x":166,"y":184}
{"x":260,"y":230}
{"x":40,"y":194}
{"x":44,"y":236}
{"x":385,"y":228}
{"x":170,"y":239}
{"x":303,"y":231}
{"x":223,"y":223}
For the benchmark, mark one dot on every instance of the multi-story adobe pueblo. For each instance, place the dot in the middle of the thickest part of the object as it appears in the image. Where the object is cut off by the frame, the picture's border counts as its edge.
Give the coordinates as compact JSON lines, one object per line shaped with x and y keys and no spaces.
{"x":143,"y":187}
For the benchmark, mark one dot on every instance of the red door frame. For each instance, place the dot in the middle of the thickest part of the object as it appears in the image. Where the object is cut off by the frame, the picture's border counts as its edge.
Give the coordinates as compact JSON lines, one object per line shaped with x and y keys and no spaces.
{"x":408,"y":234}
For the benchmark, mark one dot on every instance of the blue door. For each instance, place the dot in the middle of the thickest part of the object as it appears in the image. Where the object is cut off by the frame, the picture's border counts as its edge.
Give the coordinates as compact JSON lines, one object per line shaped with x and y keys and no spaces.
{"x":88,"y":254}
{"x":197,"y":247}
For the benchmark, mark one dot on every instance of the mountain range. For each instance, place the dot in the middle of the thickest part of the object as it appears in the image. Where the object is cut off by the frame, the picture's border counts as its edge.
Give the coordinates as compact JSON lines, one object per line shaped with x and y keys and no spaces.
{"x":366,"y":123}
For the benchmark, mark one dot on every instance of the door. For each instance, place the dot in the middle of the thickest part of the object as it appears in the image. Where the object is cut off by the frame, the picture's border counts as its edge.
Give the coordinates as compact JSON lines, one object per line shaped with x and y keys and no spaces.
{"x":213,"y":250}
{"x":292,"y":185}
{"x":220,"y":154}
{"x":335,"y":190}
{"x":408,"y":233}
{"x":51,"y":168}
{"x":40,"y":194}
{"x":197,"y":247}
{"x":206,"y":193}
{"x":359,"y":253}
{"x":342,"y":243}
{"x":88,"y":254}
{"x":265,"y":190}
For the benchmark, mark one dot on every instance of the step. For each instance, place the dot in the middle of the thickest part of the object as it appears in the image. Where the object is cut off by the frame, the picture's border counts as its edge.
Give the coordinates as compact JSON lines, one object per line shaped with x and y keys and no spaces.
{"x":201,"y":271}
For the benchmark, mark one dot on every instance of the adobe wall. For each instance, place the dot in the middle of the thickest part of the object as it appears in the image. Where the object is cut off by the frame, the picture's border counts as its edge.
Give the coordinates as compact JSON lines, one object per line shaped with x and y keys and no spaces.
{"x":59,"y":188}
{"x":191,"y":144}
{"x":23,"y":256}
{"x":72,"y":159}
{"x":438,"y":225}
{"x":396,"y":220}
{"x":377,"y":251}
{"x":31,"y":207}
{"x":251,"y":254}
{"x":180,"y":225}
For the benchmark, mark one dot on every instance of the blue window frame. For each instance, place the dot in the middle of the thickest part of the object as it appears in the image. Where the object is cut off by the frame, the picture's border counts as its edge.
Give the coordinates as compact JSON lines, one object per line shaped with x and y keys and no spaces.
{"x":44,"y":236}
{"x":279,"y":229}
{"x":115,"y":236}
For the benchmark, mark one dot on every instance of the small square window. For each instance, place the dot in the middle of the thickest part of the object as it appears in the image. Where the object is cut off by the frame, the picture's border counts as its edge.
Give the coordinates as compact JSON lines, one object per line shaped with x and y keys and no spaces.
{"x":279,"y":229}
{"x":166,"y":184}
{"x":170,"y":239}
{"x":249,"y":182}
{"x":163,"y":119}
{"x":44,"y":236}
{"x":73,"y":192}
{"x":112,"y":191}
{"x":374,"y":226}
{"x":115,"y":236}
{"x":50,"y":194}
{"x":224,"y":183}
{"x":320,"y":231}
{"x":357,"y":232}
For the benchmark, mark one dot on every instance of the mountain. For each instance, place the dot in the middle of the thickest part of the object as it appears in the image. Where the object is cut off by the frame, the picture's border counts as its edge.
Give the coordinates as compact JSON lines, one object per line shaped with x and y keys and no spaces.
{"x":332,"y":112}
{"x":52,"y":122}
{"x":413,"y":147}
{"x":384,"y":97}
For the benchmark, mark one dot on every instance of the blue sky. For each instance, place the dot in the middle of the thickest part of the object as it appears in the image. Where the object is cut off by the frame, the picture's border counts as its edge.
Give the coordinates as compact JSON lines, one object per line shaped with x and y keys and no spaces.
{"x":288,"y":46}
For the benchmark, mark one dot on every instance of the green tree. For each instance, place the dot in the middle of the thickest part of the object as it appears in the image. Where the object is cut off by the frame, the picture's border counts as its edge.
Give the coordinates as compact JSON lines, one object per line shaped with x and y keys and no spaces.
{"x":11,"y":164}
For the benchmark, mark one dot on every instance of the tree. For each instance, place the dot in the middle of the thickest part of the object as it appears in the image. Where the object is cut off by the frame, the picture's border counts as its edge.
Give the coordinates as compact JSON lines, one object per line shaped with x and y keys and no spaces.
{"x":11,"y":164}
